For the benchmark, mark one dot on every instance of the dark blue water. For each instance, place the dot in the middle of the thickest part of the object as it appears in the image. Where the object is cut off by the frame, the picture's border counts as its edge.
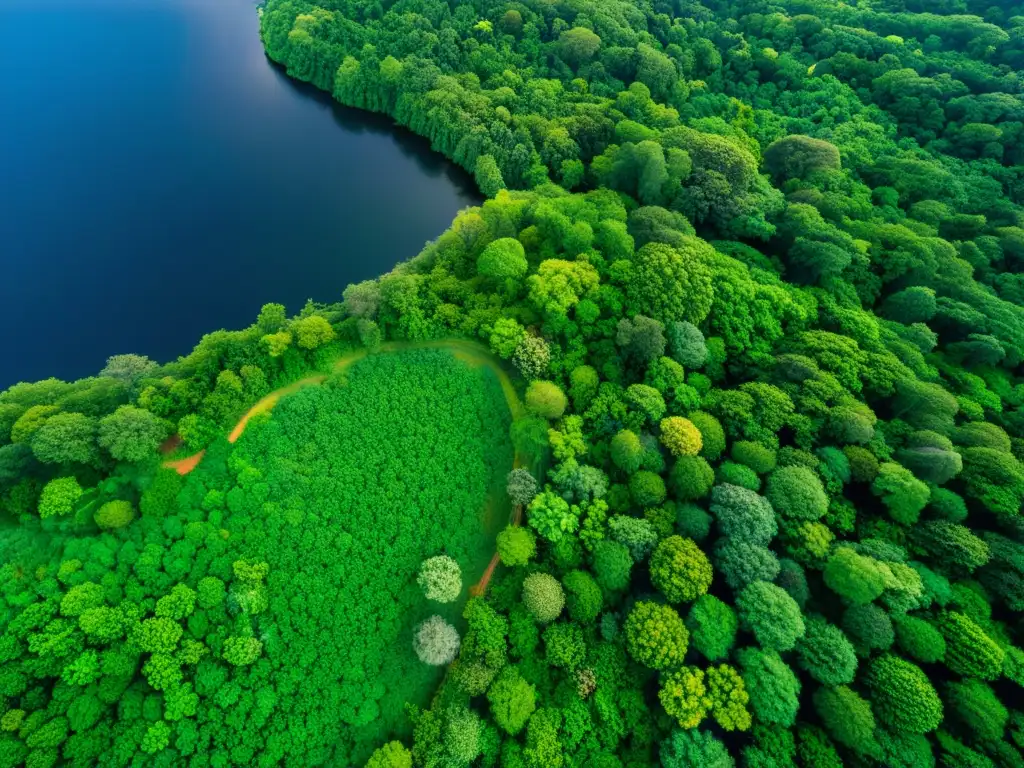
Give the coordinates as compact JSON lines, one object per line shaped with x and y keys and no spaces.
{"x":160,"y":178}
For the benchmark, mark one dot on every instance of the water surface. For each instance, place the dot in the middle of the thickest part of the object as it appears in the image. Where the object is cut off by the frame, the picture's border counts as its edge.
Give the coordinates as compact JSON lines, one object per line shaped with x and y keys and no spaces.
{"x":160,"y":178}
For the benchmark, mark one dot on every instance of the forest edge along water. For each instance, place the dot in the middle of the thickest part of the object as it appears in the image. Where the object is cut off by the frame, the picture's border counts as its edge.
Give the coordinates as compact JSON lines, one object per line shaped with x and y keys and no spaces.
{"x":164,"y":178}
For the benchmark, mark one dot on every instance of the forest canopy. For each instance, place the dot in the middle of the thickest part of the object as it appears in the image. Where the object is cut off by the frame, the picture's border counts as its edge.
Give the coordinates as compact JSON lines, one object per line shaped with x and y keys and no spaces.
{"x":753,"y":270}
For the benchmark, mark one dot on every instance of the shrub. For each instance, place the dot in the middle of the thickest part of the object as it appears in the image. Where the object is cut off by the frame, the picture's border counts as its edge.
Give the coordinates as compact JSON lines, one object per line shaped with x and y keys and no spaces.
{"x":919,"y":639}
{"x":545,"y":399}
{"x":815,"y":748}
{"x":691,"y":478}
{"x":391,"y":755}
{"x":522,"y":487}
{"x":516,"y":545}
{"x":59,"y":497}
{"x":773,"y":688}
{"x":826,"y":653}
{"x":796,"y":492}
{"x":856,"y":578}
{"x":564,"y":646}
{"x":692,"y":522}
{"x":114,"y":515}
{"x":848,"y":718}
{"x":902,"y":493}
{"x":758,"y":457}
{"x":969,"y":651}
{"x":503,"y":259}
{"x":869,"y":627}
{"x":647,"y":488}
{"x":771,"y":615}
{"x":435,"y":641}
{"x":731,"y":473}
{"x":656,"y":636}
{"x":680,"y":436}
{"x":902,"y":697}
{"x":793,"y":579}
{"x":729,"y":698}
{"x":711,"y":433}
{"x":686,"y":344}
{"x":863,"y":464}
{"x":543,"y":597}
{"x":743,"y":515}
{"x":635,"y":534}
{"x":713,"y":626}
{"x":947,"y":505}
{"x":551,"y":516}
{"x":612,"y":565}
{"x":905,"y":750}
{"x":512,"y":700}
{"x":440,"y":578}
{"x":680,"y":569}
{"x":976,"y":706}
{"x":694,"y":748}
{"x":582,"y":596}
{"x":684,"y":696}
{"x":955,"y":546}
{"x":742,"y":563}
{"x":627,"y":451}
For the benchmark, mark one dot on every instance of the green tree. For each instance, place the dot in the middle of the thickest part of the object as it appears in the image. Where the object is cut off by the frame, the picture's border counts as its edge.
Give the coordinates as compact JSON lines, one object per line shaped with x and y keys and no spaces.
{"x":902,"y":697}
{"x":59,"y":497}
{"x":771,"y":615}
{"x":656,"y":636}
{"x":131,"y":434}
{"x":680,"y":569}
{"x":543,"y":597}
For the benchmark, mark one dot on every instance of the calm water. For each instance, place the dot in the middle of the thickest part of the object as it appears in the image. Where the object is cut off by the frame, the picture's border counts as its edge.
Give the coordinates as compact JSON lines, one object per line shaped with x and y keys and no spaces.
{"x":160,"y":179}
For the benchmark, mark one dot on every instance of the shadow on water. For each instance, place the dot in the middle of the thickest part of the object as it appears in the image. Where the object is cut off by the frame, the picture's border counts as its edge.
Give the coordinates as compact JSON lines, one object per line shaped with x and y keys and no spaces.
{"x":411,"y":145}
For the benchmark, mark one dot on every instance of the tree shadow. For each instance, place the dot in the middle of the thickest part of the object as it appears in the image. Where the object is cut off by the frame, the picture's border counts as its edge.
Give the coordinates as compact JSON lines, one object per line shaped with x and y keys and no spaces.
{"x":358,"y":121}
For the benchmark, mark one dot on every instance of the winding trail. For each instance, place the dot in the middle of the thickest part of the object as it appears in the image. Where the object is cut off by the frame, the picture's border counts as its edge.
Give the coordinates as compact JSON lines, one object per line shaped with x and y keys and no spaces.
{"x":469,"y":352}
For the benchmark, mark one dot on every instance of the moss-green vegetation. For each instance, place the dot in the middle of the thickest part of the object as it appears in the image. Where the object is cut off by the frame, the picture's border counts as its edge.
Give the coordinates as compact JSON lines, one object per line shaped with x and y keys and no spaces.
{"x":755,"y":269}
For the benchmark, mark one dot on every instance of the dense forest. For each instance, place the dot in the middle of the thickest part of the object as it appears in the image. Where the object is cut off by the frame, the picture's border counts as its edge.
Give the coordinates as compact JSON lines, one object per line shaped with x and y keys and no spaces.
{"x":756,"y":270}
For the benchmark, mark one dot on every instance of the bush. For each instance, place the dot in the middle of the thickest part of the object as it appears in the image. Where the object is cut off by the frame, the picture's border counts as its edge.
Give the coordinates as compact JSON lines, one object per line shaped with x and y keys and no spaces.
{"x":691,"y":478}
{"x":516,"y":545}
{"x":869,"y":627}
{"x":711,"y":432}
{"x":639,"y":536}
{"x":684,"y":696}
{"x":582,"y":596}
{"x":758,"y":457}
{"x":680,"y":436}
{"x":694,"y":749}
{"x":692,"y":522}
{"x":627,"y":451}
{"x":731,"y":473}
{"x":969,"y":651}
{"x":848,"y":718}
{"x":826,"y":653}
{"x":564,"y":646}
{"x":114,"y":515}
{"x":955,"y":546}
{"x":947,"y":505}
{"x":856,"y":578}
{"x":976,"y":706}
{"x":919,"y":639}
{"x":863,"y":464}
{"x":686,"y":344}
{"x":796,"y":492}
{"x":729,"y":698}
{"x":793,"y":579}
{"x":713,"y":626}
{"x":543,"y":597}
{"x":773,"y":688}
{"x":440,"y":578}
{"x":612,"y":565}
{"x":545,"y":399}
{"x":521,"y":486}
{"x":656,"y":636}
{"x":680,"y":569}
{"x":771,"y":615}
{"x":647,"y":489}
{"x":902,"y":493}
{"x":743,"y":515}
{"x":59,"y":497}
{"x":902,"y":697}
{"x":435,"y":641}
{"x":815,"y":748}
{"x":742,"y":563}
{"x":512,"y":700}
{"x":391,"y":755}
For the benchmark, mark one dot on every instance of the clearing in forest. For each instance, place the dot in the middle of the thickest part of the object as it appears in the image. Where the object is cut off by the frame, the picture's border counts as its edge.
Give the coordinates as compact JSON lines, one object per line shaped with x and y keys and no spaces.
{"x":343,"y":492}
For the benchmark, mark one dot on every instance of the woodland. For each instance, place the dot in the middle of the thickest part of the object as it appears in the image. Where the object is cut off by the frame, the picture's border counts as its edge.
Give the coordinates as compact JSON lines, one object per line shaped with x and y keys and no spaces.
{"x":740,"y":483}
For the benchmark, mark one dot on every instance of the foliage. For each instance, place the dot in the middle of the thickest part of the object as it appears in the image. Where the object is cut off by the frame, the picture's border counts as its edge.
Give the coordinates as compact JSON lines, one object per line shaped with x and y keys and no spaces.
{"x":543,"y":597}
{"x":440,"y":578}
{"x":680,"y":570}
{"x":902,"y":697}
{"x":771,"y":615}
{"x":656,"y":636}
{"x":713,"y":626}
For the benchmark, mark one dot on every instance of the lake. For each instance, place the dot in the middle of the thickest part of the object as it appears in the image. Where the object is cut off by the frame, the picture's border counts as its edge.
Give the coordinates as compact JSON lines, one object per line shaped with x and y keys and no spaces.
{"x":160,"y":179}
